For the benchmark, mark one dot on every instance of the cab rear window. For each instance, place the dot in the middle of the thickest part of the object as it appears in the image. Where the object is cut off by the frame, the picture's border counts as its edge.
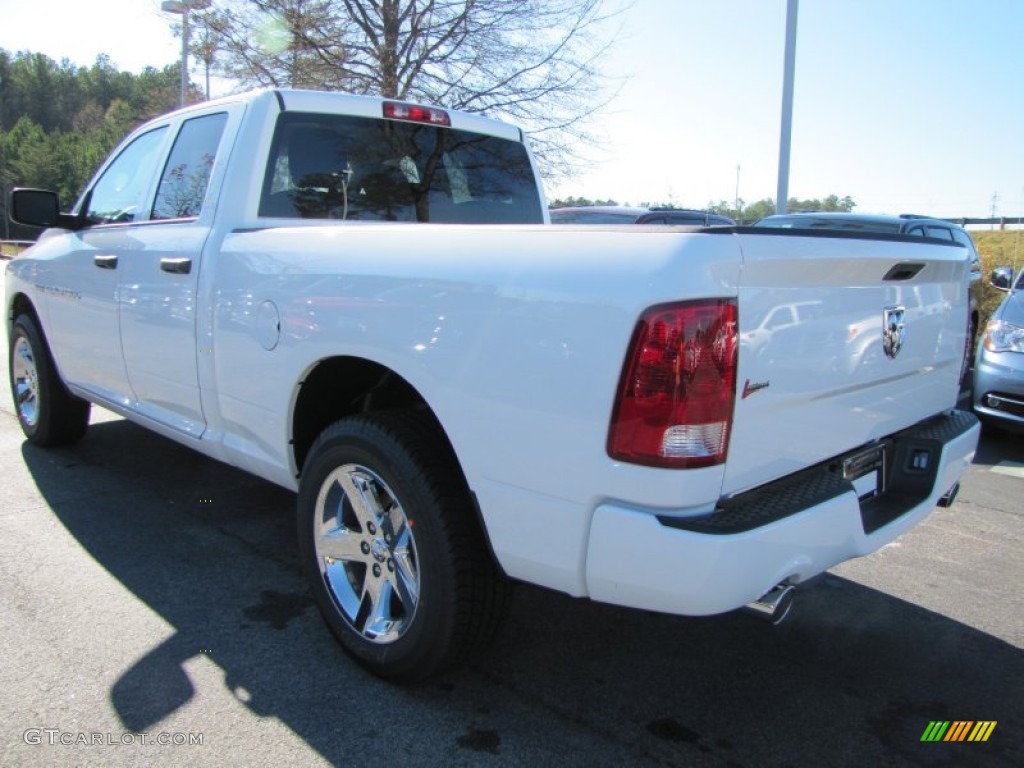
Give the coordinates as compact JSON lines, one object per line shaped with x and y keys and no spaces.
{"x":365,"y":169}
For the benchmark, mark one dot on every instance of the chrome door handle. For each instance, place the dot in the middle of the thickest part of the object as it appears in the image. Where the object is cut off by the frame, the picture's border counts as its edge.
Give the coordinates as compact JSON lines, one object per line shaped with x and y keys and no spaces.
{"x":105,"y":261}
{"x":176,"y":266}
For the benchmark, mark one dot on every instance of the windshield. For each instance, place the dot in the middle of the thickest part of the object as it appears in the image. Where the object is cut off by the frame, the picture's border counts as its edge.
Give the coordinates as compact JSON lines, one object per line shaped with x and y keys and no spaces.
{"x":366,"y":169}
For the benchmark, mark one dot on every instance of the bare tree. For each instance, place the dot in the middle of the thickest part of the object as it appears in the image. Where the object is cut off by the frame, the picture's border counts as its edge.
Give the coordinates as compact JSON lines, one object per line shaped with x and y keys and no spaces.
{"x":533,"y":62}
{"x":280,"y":43}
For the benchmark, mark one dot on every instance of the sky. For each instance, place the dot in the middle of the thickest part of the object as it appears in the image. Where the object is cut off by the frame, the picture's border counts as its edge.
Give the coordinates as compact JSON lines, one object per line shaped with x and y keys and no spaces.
{"x":904,"y":105}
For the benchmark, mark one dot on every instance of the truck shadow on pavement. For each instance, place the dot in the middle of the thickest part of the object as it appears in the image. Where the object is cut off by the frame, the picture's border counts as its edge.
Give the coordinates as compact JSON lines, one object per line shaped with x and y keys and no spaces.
{"x":854,"y":677}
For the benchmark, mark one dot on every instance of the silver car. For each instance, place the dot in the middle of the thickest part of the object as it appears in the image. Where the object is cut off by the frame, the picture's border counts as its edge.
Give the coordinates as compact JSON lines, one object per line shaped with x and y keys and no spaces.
{"x":999,"y":363}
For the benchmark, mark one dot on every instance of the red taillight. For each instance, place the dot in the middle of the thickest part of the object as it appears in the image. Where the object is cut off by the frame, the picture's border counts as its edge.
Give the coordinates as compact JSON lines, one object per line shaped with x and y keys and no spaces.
{"x":678,"y":386}
{"x":399,"y":110}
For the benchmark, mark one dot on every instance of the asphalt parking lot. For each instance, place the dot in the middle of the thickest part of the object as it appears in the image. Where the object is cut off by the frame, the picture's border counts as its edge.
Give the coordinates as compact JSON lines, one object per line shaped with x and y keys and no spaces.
{"x":147,"y":590}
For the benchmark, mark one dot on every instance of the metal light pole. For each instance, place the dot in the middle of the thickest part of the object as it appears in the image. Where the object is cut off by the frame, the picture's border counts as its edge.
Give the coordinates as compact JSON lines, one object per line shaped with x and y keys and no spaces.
{"x":736,"y":199}
{"x":3,"y":207}
{"x":183,"y":7}
{"x":782,"y":193}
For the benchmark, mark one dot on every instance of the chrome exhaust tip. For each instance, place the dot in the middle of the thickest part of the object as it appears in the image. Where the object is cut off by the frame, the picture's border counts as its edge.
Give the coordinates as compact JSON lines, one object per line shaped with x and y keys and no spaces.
{"x":773,"y":606}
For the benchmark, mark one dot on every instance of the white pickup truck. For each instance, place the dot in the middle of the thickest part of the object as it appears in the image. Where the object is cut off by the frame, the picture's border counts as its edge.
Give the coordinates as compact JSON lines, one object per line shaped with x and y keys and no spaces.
{"x":362,"y":300}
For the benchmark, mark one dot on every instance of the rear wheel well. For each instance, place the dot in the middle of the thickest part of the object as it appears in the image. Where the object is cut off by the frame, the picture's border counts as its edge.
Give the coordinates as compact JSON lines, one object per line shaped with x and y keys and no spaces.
{"x":342,"y":386}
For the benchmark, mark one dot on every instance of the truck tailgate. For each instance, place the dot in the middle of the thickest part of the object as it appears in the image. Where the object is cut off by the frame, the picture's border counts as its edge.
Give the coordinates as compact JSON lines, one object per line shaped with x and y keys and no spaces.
{"x":843,"y":340}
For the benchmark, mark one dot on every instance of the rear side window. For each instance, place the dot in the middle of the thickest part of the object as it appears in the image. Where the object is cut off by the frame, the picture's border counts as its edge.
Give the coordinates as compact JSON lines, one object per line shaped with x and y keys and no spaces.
{"x":687,"y":221}
{"x":940,"y":232}
{"x":965,"y":240}
{"x":182,"y":190}
{"x":365,"y":169}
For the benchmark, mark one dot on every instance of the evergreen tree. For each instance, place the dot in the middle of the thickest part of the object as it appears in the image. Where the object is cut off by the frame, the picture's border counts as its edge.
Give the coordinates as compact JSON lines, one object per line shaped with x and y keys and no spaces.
{"x":58,"y":122}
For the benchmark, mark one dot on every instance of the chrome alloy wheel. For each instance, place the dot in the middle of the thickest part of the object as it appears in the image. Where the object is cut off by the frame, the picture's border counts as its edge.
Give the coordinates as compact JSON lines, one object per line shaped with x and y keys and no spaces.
{"x":366,"y":553}
{"x":25,"y":378}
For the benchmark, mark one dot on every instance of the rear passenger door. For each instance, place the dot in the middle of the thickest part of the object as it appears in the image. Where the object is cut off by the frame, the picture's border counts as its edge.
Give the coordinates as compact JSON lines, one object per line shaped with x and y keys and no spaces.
{"x":160,"y":279}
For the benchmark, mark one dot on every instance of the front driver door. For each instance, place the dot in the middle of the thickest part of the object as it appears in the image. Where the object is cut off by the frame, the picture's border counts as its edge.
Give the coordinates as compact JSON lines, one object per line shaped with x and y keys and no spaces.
{"x":80,"y":282}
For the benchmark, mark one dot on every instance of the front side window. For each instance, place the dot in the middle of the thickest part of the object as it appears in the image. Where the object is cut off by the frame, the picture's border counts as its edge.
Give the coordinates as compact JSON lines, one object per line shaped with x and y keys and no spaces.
{"x":119,"y":195}
{"x":182,"y":190}
{"x":366,"y":169}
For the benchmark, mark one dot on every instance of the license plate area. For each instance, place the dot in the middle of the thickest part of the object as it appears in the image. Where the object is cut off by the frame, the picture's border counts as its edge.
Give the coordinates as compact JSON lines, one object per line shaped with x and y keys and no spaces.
{"x":866,"y":470}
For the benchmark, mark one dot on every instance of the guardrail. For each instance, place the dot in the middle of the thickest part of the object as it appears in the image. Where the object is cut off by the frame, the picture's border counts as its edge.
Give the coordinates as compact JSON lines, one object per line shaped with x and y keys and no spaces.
{"x":9,"y":248}
{"x":1002,"y":221}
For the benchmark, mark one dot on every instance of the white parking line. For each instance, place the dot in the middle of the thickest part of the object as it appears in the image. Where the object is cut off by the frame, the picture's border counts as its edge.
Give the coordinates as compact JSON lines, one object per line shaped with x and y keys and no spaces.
{"x":1011,"y":468}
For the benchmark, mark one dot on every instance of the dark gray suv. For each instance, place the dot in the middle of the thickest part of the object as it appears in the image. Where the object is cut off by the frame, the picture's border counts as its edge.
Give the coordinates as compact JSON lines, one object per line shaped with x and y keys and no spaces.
{"x":620,"y":214}
{"x":904,"y":224}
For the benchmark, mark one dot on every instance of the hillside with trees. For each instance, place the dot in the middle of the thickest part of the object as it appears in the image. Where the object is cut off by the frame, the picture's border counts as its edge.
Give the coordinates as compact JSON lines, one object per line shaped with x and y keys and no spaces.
{"x":743,"y":213}
{"x":534,"y":62}
{"x":766,"y":207}
{"x":58,"y":121}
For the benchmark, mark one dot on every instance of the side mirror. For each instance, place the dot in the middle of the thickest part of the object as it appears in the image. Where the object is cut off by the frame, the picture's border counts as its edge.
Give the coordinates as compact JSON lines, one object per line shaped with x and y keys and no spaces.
{"x":39,"y":208}
{"x":1002,"y":278}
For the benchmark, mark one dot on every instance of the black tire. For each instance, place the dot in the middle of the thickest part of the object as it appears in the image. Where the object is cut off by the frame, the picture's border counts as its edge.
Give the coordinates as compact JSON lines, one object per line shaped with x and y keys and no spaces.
{"x":409,"y":587}
{"x":48,"y":413}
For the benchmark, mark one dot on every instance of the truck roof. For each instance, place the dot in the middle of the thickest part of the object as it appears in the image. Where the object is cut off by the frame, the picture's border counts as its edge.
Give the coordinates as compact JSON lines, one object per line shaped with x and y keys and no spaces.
{"x":297,"y":100}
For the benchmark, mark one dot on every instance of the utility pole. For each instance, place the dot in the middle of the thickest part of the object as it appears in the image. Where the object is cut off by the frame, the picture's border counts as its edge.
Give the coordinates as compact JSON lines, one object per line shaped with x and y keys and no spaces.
{"x":995,"y":206}
{"x":789,"y":67}
{"x":1016,"y":244}
{"x":736,"y":200}
{"x":3,"y":207}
